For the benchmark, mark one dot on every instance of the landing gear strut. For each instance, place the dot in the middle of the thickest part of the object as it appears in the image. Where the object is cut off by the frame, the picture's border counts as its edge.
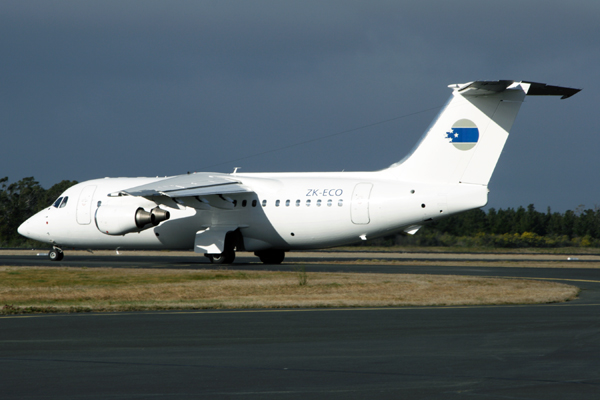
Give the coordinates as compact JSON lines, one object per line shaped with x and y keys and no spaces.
{"x":56,"y":254}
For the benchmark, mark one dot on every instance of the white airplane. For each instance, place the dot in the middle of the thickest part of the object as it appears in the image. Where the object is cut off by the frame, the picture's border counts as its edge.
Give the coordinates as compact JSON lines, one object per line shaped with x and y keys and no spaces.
{"x":271,"y":213}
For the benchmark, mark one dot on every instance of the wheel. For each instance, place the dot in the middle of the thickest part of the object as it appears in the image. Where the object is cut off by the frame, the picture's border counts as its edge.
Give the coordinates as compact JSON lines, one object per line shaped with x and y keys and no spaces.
{"x":271,"y":256}
{"x":55,"y":255}
{"x":223,"y":258}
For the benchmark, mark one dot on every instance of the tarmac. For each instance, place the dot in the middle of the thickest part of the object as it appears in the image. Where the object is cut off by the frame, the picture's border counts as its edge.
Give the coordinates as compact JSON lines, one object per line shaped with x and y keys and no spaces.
{"x":493,"y":352}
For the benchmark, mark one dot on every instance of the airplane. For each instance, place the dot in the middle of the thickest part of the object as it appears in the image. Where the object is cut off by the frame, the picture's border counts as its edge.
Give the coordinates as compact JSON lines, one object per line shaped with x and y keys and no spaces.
{"x":217,"y":214}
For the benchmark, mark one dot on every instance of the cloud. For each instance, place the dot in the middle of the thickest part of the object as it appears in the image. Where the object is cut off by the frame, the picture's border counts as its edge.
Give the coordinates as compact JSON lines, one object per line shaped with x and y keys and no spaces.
{"x":101,"y":88}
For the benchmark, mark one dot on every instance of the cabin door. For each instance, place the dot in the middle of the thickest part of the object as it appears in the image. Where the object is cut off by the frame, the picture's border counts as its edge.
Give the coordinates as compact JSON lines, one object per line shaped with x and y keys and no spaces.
{"x":84,"y":205}
{"x":360,"y":203}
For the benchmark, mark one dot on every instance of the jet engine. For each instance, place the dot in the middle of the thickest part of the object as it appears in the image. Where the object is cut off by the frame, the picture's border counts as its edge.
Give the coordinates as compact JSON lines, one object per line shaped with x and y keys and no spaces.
{"x":119,"y":220}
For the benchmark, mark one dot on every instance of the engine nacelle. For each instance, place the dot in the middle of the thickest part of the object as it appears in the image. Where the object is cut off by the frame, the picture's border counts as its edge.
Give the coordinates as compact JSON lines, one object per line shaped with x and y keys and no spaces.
{"x":119,"y":220}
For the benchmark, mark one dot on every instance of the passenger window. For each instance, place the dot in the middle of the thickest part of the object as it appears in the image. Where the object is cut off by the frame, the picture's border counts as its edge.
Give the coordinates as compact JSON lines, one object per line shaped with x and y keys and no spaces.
{"x":264,"y":203}
{"x":319,"y":203}
{"x":329,"y":202}
{"x":287,"y":203}
{"x":57,"y":202}
{"x":64,"y":202}
{"x":308,"y":203}
{"x":244,"y":202}
{"x":277,"y":203}
{"x":297,"y":203}
{"x":340,"y":202}
{"x":253,"y":203}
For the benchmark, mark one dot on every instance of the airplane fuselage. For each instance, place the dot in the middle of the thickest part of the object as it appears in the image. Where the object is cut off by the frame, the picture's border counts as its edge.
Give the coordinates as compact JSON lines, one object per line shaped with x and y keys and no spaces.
{"x":285,"y":211}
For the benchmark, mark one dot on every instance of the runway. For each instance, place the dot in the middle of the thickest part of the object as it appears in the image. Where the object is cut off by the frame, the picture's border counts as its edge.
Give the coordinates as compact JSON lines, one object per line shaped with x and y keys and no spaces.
{"x":493,"y":352}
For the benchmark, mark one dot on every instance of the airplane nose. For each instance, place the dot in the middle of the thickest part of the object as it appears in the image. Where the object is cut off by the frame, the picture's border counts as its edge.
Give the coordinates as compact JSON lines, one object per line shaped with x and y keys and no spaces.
{"x":23,"y":229}
{"x":32,"y":228}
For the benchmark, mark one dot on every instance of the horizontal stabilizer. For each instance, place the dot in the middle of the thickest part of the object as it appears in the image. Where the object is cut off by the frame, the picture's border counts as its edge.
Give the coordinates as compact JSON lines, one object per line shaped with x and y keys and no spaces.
{"x":481,"y":88}
{"x":484,"y":88}
{"x":541,"y":89}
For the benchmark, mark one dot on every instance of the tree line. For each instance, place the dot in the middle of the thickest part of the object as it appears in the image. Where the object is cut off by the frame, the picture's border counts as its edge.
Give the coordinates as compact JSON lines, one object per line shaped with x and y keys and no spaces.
{"x":521,"y":227}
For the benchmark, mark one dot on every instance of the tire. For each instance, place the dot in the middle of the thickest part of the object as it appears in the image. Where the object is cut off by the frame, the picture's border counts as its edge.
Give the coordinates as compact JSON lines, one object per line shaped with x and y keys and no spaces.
{"x":223,"y":258}
{"x":55,"y":255}
{"x":271,"y":256}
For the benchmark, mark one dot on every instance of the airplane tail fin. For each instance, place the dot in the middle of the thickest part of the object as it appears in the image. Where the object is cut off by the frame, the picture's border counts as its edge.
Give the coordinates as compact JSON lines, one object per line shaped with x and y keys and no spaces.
{"x":464,"y":142}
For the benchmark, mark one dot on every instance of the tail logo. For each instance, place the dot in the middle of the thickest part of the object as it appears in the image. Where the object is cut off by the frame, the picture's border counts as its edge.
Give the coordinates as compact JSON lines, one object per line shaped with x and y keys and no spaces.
{"x":463,"y":135}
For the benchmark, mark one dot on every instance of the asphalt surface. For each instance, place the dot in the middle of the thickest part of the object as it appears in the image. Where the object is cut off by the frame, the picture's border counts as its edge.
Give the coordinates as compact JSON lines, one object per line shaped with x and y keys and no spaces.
{"x":492,"y":352}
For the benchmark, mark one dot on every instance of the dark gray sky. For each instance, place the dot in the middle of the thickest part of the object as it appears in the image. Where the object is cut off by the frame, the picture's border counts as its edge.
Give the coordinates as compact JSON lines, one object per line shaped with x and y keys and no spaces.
{"x":143,"y":88}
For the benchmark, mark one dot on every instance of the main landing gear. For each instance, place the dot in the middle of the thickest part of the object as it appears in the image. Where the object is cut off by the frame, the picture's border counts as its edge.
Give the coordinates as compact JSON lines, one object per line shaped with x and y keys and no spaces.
{"x":271,"y":256}
{"x":226,"y":257}
{"x":56,"y":254}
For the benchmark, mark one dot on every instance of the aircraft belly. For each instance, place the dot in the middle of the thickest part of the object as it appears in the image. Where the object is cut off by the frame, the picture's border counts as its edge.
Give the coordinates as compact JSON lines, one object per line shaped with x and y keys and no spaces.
{"x":310,"y":231}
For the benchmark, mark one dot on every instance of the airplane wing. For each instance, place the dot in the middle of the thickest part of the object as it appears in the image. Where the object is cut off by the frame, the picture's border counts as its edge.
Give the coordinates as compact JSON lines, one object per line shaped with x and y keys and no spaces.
{"x":190,"y":185}
{"x":209,"y":239}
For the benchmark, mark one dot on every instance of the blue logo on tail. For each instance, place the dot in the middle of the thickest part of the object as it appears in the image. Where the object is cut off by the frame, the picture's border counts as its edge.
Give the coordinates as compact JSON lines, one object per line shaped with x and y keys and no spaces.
{"x":463,"y":135}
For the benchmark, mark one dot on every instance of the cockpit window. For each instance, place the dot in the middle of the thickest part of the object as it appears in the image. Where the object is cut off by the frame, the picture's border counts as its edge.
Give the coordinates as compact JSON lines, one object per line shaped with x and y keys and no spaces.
{"x":61,"y":202}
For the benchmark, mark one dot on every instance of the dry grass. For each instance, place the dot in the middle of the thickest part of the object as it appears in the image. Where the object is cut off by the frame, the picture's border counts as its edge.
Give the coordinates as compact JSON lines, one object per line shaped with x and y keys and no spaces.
{"x":60,"y":289}
{"x":465,"y":263}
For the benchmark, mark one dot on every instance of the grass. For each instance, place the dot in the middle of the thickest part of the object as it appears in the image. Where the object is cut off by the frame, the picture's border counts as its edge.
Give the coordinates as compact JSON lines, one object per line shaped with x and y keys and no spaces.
{"x":467,"y":263}
{"x":301,"y":275}
{"x":65,"y":289}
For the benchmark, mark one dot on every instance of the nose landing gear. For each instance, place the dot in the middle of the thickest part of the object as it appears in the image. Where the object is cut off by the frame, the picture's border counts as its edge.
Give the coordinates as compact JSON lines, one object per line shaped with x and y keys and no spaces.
{"x":56,"y":254}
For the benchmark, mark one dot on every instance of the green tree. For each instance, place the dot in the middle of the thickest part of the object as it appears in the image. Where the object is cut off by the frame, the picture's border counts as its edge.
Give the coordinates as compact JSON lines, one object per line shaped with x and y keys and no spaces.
{"x":568,"y":223}
{"x":554,"y":224}
{"x":502,"y":222}
{"x":587,"y":223}
{"x":533,"y":221}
